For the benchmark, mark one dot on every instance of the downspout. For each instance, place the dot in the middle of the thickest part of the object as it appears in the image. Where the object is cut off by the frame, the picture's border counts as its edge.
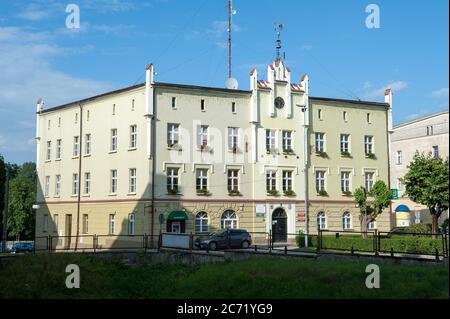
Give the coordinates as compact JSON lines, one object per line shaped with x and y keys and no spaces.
{"x":306,"y":156}
{"x":80,"y":148}
{"x":153,"y":139}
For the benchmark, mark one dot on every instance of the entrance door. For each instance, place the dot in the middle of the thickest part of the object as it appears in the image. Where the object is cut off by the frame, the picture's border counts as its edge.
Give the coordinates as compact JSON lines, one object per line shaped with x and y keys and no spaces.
{"x":279,"y":225}
{"x":68,"y":231}
{"x":176,"y":228}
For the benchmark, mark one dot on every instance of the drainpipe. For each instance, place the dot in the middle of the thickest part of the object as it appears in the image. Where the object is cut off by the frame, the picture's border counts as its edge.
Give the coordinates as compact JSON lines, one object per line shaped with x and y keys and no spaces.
{"x":388,"y":99}
{"x":80,"y":150}
{"x":305,"y":81}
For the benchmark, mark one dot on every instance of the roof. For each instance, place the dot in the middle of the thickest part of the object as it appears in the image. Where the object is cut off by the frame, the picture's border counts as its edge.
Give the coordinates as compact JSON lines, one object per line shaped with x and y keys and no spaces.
{"x":327,"y":99}
{"x":420,"y":118}
{"x":157,"y":84}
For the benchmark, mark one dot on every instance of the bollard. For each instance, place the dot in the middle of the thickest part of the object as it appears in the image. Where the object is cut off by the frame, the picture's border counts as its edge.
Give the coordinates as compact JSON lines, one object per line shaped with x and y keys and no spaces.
{"x":285,"y":250}
{"x":437,"y":254}
{"x":392,"y":252}
{"x":352,"y":250}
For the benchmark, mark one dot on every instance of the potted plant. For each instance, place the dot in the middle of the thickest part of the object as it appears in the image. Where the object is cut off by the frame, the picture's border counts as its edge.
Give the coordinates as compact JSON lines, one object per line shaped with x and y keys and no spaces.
{"x":371,"y":156}
{"x":172,"y":191}
{"x":288,"y":151}
{"x":272,"y":192}
{"x":322,"y":192}
{"x":346,"y":154}
{"x":322,"y":154}
{"x":234,"y":192}
{"x":202,"y":192}
{"x":289,"y":192}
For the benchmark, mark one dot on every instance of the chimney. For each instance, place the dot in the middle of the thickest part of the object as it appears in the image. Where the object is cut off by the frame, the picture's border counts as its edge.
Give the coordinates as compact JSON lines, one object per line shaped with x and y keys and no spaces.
{"x":39,"y":105}
{"x":149,"y":81}
{"x":254,"y":99}
{"x":388,"y":100}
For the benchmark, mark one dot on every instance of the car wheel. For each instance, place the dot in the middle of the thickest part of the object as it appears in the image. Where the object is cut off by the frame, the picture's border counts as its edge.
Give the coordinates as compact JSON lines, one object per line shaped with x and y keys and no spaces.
{"x":245,"y":244}
{"x":212,"y":246}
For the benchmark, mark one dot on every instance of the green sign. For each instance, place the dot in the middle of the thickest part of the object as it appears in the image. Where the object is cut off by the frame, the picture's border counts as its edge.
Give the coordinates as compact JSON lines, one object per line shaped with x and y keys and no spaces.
{"x":394,"y":192}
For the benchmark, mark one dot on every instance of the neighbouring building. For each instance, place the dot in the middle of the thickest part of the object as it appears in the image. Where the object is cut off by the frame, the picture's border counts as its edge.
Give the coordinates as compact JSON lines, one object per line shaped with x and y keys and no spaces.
{"x":181,"y":158}
{"x":428,"y":134}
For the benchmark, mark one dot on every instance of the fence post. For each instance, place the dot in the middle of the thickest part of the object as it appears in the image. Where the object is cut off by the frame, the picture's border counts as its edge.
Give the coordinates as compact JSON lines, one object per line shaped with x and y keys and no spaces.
{"x":191,"y":241}
{"x":145,"y":239}
{"x":50,"y":244}
{"x":392,"y":252}
{"x":94,"y":246}
{"x":270,"y":241}
{"x":446,"y":245}
{"x":437,"y":254}
{"x":285,"y":249}
{"x":375,"y":242}
{"x":319,"y":240}
{"x":34,"y":245}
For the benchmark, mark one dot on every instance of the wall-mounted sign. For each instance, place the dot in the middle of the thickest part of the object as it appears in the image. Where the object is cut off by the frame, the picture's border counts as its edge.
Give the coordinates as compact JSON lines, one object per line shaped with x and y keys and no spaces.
{"x":260,"y":210}
{"x":394,"y":192}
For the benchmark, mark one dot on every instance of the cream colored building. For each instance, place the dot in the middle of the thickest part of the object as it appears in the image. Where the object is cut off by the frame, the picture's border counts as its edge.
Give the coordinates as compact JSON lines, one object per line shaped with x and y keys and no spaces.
{"x":198,"y":159}
{"x":428,"y":134}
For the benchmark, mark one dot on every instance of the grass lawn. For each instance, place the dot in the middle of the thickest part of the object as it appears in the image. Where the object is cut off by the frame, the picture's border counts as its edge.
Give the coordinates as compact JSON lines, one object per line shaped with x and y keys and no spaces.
{"x":43,"y":276}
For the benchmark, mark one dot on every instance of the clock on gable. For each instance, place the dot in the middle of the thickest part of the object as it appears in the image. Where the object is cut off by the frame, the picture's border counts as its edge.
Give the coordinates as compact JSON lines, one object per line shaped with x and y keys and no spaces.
{"x":279,"y":102}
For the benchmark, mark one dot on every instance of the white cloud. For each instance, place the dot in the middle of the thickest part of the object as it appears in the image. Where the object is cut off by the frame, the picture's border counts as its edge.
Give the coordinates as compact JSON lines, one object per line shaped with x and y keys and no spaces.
{"x":443,"y":92}
{"x":306,"y":47}
{"x":369,"y":92}
{"x":33,"y":13}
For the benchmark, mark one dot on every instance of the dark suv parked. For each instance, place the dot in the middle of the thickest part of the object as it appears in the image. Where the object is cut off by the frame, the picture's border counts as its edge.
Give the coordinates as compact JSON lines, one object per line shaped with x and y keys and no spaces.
{"x":233,"y":238}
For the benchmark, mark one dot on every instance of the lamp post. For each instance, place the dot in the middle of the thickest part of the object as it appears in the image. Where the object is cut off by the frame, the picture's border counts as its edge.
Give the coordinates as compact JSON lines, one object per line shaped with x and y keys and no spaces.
{"x":5,"y":211}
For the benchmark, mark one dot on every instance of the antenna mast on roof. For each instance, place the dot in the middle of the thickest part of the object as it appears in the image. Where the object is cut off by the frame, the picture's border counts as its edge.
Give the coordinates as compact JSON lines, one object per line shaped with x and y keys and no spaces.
{"x":278,"y":27}
{"x":231,"y":83}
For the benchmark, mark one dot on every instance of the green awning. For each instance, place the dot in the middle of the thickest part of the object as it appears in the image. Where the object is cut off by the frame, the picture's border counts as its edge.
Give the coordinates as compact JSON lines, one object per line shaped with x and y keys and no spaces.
{"x":177,"y":215}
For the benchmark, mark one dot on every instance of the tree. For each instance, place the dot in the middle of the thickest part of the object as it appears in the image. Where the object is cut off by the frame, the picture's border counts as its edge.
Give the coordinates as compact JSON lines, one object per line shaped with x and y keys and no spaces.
{"x":371,"y":204}
{"x":2,"y":191}
{"x":427,"y":184}
{"x":21,"y":200}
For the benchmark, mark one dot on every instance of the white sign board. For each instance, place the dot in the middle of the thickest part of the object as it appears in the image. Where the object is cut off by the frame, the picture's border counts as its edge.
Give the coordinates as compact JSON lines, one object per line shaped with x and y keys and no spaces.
{"x":175,"y":240}
{"x":260,"y":210}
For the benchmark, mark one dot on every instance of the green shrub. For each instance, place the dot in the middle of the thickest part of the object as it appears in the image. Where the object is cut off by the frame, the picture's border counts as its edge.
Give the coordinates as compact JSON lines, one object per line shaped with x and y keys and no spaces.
{"x":419,"y":229}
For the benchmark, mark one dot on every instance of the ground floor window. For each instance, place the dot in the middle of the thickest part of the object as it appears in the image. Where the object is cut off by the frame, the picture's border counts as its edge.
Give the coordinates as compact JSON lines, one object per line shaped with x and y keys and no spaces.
{"x":201,"y":222}
{"x":346,"y":221}
{"x":321,"y":221}
{"x":131,"y":224}
{"x":112,"y":224}
{"x":228,"y":220}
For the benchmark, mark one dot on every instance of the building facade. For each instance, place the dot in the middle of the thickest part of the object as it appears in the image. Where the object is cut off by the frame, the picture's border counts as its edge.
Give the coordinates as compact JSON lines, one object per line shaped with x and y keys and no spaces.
{"x":163,"y":157}
{"x":427,"y":134}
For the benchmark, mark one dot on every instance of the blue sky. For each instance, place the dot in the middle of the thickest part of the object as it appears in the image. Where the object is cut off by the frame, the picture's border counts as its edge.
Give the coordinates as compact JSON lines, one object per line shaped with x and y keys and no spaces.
{"x":40,"y":57}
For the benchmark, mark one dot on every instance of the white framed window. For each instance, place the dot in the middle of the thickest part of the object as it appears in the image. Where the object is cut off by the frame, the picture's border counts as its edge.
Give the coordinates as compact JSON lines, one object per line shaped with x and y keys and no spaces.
{"x":56,"y":222}
{"x":435,"y":151}
{"x":201,"y":222}
{"x":345,"y":116}
{"x":320,"y":142}
{"x":287,"y":180}
{"x":57,"y":185}
{"x":368,"y":144}
{"x":87,"y":144}
{"x":346,"y":221}
{"x":76,"y":146}
{"x":400,"y":185}
{"x":131,"y":224}
{"x":132,"y":188}
{"x":321,"y":221}
{"x":87,"y":183}
{"x":345,"y":143}
{"x":133,"y":136}
{"x":172,"y":179}
{"x":75,"y":181}
{"x":430,"y":130}
{"x":174,"y":102}
{"x":345,"y":182}
{"x":202,"y":179}
{"x":372,"y":225}
{"x":112,"y":224}
{"x":399,"y":158}
{"x":202,"y":135}
{"x":47,"y":186}
{"x":49,"y":151}
{"x":320,"y":181}
{"x":113,"y":188}
{"x":271,"y":180}
{"x":287,"y":140}
{"x":233,"y":133}
{"x":113,"y":140}
{"x":368,"y":181}
{"x":58,"y":149}
{"x":173,"y":133}
{"x":202,"y":105}
{"x":233,"y":180}
{"x":85,"y":224}
{"x":270,"y":140}
{"x":228,"y":220}
{"x":45,"y":224}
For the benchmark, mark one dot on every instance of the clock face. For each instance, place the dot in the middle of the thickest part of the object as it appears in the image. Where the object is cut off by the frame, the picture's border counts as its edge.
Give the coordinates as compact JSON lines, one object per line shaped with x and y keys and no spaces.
{"x":279,"y":102}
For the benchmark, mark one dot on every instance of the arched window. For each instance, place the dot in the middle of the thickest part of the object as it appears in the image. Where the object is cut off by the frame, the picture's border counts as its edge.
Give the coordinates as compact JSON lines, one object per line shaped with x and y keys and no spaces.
{"x":346,"y":221}
{"x":131,"y":224}
{"x":228,"y":220}
{"x":201,"y":222}
{"x":321,"y":221}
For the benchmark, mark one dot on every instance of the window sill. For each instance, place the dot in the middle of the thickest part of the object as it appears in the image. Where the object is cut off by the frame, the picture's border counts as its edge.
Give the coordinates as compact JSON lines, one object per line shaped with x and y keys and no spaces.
{"x":74,"y":195}
{"x":132,"y":149}
{"x":112,"y":152}
{"x":87,"y":155}
{"x":47,"y":161}
{"x":86,"y":195}
{"x":174,"y":194}
{"x":131,"y":194}
{"x":56,"y":196}
{"x":75,"y":157}
{"x":112,"y":194}
{"x":57,"y":160}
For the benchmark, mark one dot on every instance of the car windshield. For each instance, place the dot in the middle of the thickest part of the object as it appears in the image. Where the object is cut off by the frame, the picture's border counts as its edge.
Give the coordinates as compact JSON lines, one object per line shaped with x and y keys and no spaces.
{"x":218,"y":233}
